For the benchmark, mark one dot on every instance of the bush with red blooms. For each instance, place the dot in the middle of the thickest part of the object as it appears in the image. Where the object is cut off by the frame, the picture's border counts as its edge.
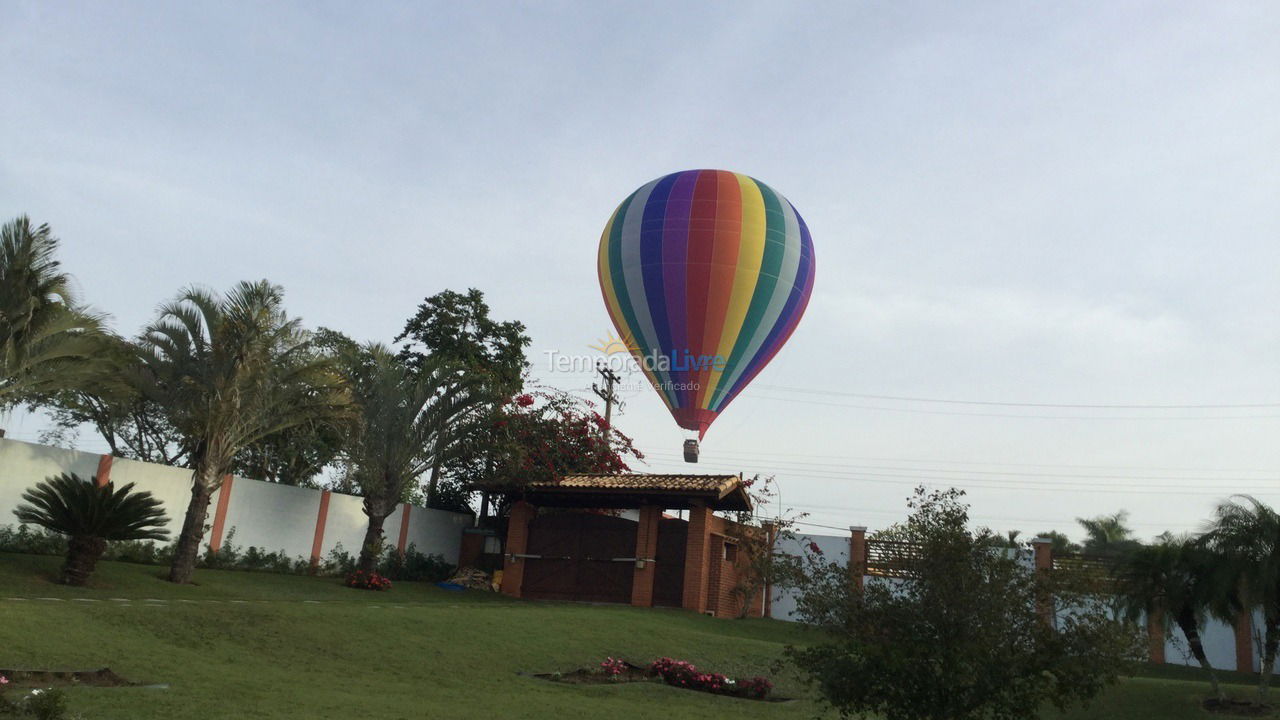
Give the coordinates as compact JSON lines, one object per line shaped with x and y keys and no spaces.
{"x":546,"y":433}
{"x":682,"y":673}
{"x":362,"y":580}
{"x":613,"y":667}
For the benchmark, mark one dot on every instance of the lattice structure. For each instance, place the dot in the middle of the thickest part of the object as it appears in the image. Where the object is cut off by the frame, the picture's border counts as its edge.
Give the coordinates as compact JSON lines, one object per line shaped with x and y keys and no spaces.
{"x":888,"y":558}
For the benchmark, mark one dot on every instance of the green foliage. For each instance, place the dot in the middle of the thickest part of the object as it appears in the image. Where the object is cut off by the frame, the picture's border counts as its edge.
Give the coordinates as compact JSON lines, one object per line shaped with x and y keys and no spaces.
{"x":1246,"y":532}
{"x":1060,"y":543}
{"x":48,"y":341}
{"x":1108,"y":534}
{"x":75,"y":507}
{"x":456,"y":328}
{"x":960,"y":635}
{"x":228,"y":372}
{"x":408,"y":422}
{"x":1181,"y":580}
{"x":40,"y":704}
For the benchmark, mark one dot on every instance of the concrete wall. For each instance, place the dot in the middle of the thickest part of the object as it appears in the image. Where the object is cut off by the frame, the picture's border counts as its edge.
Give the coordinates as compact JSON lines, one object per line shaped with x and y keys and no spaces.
{"x":269,"y":516}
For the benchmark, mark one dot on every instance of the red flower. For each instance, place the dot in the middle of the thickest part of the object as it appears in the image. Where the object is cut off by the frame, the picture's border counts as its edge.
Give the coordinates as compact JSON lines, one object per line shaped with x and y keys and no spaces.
{"x":524,"y":400}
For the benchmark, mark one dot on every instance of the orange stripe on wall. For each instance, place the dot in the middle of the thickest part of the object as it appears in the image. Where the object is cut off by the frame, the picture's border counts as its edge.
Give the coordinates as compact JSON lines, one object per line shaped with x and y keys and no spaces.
{"x":404,"y":528}
{"x":104,"y":471}
{"x":318,"y":542}
{"x":220,"y":515}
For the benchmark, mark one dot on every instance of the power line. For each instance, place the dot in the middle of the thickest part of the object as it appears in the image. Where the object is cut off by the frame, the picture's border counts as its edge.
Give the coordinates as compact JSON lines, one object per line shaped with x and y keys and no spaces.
{"x":1085,"y":406}
{"x":951,"y":461}
{"x":1023,"y":416}
{"x":860,"y":467}
{"x":998,"y":484}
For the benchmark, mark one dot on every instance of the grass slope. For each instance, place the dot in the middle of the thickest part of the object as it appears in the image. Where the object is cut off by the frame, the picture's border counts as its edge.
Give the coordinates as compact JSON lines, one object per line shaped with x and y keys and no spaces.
{"x":309,"y":648}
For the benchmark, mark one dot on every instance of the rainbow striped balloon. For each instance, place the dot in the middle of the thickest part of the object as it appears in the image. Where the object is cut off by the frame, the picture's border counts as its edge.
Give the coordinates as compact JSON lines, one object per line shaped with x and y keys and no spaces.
{"x":706,"y":274}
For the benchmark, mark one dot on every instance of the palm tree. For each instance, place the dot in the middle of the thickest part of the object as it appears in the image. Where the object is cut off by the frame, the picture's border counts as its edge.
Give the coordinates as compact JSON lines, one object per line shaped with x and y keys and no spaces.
{"x":1247,"y":532}
{"x":1176,"y":579}
{"x":407,"y":422}
{"x":47,"y":339}
{"x":1107,"y":534}
{"x":228,"y":371}
{"x":91,"y":516}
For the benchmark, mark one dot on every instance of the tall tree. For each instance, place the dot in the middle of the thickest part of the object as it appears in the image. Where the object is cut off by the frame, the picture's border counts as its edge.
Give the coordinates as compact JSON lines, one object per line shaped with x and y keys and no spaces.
{"x":229,"y":370}
{"x":456,"y":328}
{"x":407,"y":418}
{"x":1176,"y":579}
{"x":1107,"y":534}
{"x":1247,"y":532}
{"x":298,"y":454}
{"x":131,"y":425}
{"x":48,"y":340}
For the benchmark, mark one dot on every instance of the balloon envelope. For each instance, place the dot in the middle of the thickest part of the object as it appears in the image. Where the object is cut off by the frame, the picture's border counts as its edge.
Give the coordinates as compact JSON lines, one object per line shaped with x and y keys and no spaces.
{"x":706,"y":274}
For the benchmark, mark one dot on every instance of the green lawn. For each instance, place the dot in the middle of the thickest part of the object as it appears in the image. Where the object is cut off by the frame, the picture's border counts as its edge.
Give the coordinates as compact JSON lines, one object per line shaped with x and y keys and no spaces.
{"x":307,"y":648}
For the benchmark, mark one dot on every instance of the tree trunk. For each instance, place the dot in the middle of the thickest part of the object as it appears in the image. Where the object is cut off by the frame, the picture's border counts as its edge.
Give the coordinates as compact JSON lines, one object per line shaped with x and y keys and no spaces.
{"x":1187,"y":623}
{"x":1270,"y":641}
{"x":433,"y":483}
{"x":484,"y":509}
{"x":188,"y":547}
{"x":83,"y":552}
{"x":373,"y":540}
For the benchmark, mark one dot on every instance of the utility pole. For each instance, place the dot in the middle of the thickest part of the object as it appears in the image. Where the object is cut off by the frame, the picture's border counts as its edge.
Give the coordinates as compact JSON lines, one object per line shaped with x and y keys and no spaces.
{"x":607,"y":395}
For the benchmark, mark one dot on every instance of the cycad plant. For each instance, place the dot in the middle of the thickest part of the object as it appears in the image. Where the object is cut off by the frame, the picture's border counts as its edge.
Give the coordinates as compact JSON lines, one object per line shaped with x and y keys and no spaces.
{"x":227,"y":371}
{"x":407,"y":423}
{"x":90,"y":516}
{"x":48,"y":341}
{"x":1180,"y":581}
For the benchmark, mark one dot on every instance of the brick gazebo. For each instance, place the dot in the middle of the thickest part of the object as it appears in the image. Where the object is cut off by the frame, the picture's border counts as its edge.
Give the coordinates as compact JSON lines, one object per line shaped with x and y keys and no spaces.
{"x":566,"y":552}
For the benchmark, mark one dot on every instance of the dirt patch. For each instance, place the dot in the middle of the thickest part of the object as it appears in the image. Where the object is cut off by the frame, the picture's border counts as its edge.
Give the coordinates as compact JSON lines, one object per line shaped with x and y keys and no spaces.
{"x":1237,"y":708}
{"x":634,"y":673}
{"x":102,"y":677}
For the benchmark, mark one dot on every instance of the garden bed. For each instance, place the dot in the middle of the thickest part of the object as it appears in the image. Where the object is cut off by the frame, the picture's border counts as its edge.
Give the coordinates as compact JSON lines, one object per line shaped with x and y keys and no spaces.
{"x":613,"y":671}
{"x":102,"y":677}
{"x":1238,"y":708}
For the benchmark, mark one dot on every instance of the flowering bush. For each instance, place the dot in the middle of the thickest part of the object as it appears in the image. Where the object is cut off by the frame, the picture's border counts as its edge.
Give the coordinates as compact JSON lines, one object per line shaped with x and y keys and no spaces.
{"x":613,"y":667}
{"x":682,"y":673}
{"x":757,"y":687}
{"x":367,"y":581}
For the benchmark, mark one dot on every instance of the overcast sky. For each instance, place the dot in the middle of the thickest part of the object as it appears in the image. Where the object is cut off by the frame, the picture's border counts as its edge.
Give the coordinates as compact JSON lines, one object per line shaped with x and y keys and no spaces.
{"x":1069,"y":203}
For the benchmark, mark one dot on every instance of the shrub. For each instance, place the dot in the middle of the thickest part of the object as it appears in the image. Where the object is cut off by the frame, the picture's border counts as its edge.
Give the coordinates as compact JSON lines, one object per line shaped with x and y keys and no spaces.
{"x":367,"y":581}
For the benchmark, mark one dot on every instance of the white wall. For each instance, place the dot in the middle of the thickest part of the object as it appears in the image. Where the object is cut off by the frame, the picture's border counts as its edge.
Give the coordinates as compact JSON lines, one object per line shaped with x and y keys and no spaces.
{"x":269,"y":516}
{"x":835,"y":548}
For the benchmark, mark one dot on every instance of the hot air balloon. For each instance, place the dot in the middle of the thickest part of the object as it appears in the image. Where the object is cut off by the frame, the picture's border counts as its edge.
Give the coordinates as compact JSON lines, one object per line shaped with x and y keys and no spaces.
{"x":706,"y":274}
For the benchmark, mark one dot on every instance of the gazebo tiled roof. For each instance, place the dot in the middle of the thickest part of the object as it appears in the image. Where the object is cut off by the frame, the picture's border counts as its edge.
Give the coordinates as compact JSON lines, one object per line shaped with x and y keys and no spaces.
{"x":625,"y":490}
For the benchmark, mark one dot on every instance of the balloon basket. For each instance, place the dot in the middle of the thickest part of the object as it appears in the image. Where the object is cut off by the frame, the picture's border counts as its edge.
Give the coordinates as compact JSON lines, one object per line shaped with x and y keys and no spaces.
{"x":691,"y":451}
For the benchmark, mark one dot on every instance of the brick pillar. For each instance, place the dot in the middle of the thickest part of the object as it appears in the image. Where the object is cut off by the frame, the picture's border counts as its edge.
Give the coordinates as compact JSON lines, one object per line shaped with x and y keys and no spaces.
{"x":1244,"y":641}
{"x":646,"y":549}
{"x":220,"y":514}
{"x":1044,"y":565}
{"x":1155,"y":637}
{"x":857,"y":554}
{"x":696,"y":565}
{"x":317,"y":542}
{"x":517,"y":543}
{"x":104,"y":471}
{"x":402,"y":543}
